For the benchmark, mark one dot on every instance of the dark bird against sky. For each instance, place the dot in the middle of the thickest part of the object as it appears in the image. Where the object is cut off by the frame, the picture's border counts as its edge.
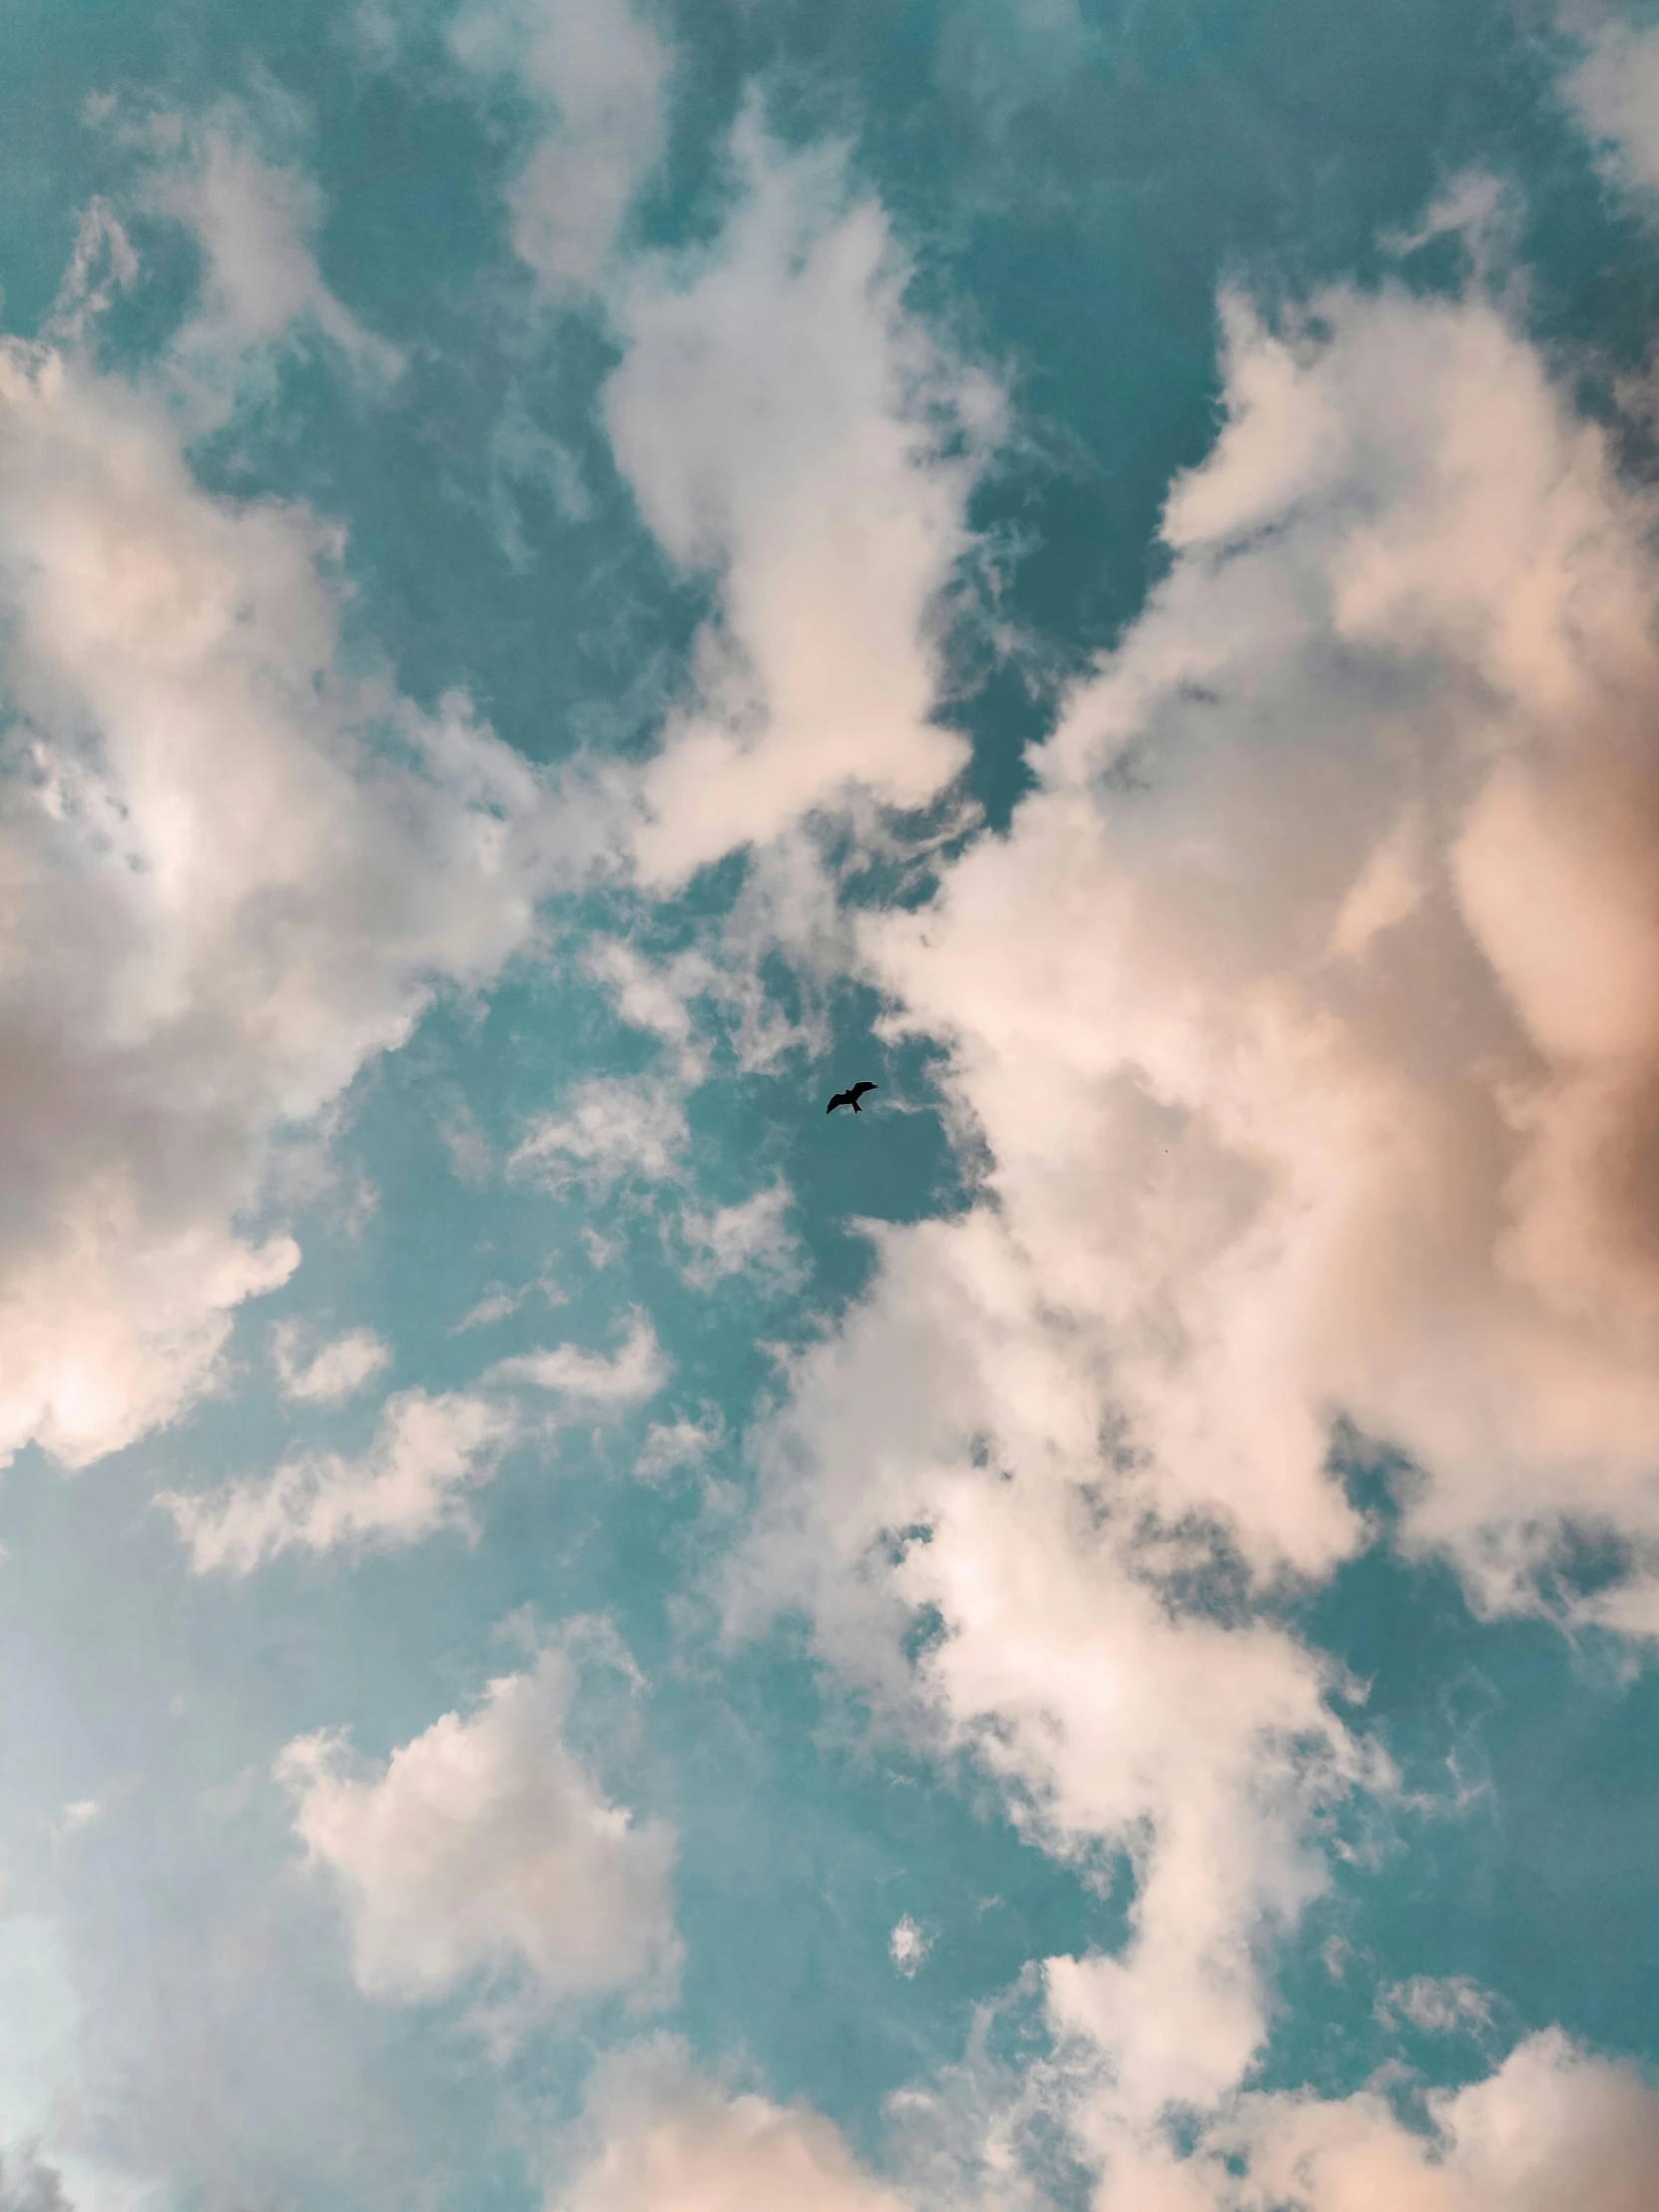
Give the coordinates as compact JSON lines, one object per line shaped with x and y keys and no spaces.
{"x":849,"y":1098}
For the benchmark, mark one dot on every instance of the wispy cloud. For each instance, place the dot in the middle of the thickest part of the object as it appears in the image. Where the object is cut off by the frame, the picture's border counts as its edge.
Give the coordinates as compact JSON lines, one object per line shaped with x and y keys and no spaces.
{"x":414,"y":1479}
{"x":635,"y":1371}
{"x":326,"y":1373}
{"x":610,"y":1127}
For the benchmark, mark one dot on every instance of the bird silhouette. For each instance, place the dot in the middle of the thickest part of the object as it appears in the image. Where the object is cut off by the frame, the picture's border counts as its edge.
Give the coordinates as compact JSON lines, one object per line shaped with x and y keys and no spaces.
{"x":851,"y":1098}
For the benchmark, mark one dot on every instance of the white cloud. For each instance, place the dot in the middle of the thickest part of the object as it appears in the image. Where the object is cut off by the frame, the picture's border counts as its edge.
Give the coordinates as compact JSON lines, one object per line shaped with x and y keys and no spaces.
{"x":218,"y":897}
{"x":633,"y":1374}
{"x":647,"y":997}
{"x":1553,"y":2130}
{"x":1450,"y":2005}
{"x":257,"y":223}
{"x":907,"y":1946}
{"x":1310,"y":1012}
{"x":611,"y":1126}
{"x":428,"y":1455}
{"x":499,"y":1303}
{"x":942,"y":1457}
{"x":779,"y":416}
{"x":484,"y":1847}
{"x":494,"y":1305}
{"x":1615,"y":92}
{"x":103,"y":263}
{"x":731,"y":1239}
{"x":667,"y":2141}
{"x":1311,"y":1009}
{"x":670,"y":1446}
{"x":326,"y":1373}
{"x":598,"y":71}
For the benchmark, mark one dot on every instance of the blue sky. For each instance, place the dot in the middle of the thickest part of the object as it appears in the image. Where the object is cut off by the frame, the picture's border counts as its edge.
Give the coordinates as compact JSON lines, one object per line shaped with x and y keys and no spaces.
{"x":576,"y":1633}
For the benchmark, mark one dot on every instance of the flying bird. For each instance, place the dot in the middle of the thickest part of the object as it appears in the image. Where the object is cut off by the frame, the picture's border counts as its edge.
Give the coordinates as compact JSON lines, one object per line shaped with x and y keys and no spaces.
{"x":851,"y":1098}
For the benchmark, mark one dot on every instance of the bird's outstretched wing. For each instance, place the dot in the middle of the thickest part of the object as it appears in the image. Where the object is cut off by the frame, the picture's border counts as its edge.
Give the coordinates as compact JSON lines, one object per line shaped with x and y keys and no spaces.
{"x":859,"y":1089}
{"x":842,"y":1098}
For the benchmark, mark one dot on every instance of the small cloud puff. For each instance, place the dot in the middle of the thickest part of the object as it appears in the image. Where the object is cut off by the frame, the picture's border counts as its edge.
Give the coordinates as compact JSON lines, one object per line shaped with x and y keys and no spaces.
{"x":325,"y":1374}
{"x":670,"y":1446}
{"x":907,"y":1946}
{"x":1450,"y":2007}
{"x":485,"y":1846}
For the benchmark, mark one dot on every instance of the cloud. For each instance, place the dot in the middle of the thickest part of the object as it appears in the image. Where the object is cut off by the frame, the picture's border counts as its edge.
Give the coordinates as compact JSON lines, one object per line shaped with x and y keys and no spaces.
{"x":428,"y":1455}
{"x":1551,"y":2130}
{"x":667,"y":2141}
{"x":1310,"y":1008}
{"x":635,"y":1372}
{"x":939,"y":1460}
{"x":256,"y":224}
{"x":1614,"y":91}
{"x":104,"y":263}
{"x":254,"y":220}
{"x":611,"y":1126}
{"x":785,"y":422}
{"x":326,"y":1374}
{"x":229,"y":875}
{"x":734,"y":1238}
{"x":598,"y":73}
{"x":1448,"y":2007}
{"x":649,"y":998}
{"x":27,"y":2185}
{"x":908,"y":1948}
{"x":499,"y":1303}
{"x":1309,"y":1013}
{"x":670,"y":1446}
{"x":485,"y":1846}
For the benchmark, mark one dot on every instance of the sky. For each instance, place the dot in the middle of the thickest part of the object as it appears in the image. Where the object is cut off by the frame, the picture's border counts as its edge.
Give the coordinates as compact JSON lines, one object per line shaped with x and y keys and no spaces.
{"x":577,"y":1634}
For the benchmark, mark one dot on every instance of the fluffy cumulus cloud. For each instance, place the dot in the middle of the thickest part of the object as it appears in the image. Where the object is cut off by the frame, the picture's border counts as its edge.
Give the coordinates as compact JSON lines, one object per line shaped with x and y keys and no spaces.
{"x":1310,"y":1011}
{"x":635,"y":1371}
{"x":666,"y":2140}
{"x":325,"y":1373}
{"x":229,"y":875}
{"x":1551,"y":2130}
{"x":1310,"y":1008}
{"x":787,"y":424}
{"x":484,"y":1847}
{"x":598,"y":73}
{"x":426,"y":1456}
